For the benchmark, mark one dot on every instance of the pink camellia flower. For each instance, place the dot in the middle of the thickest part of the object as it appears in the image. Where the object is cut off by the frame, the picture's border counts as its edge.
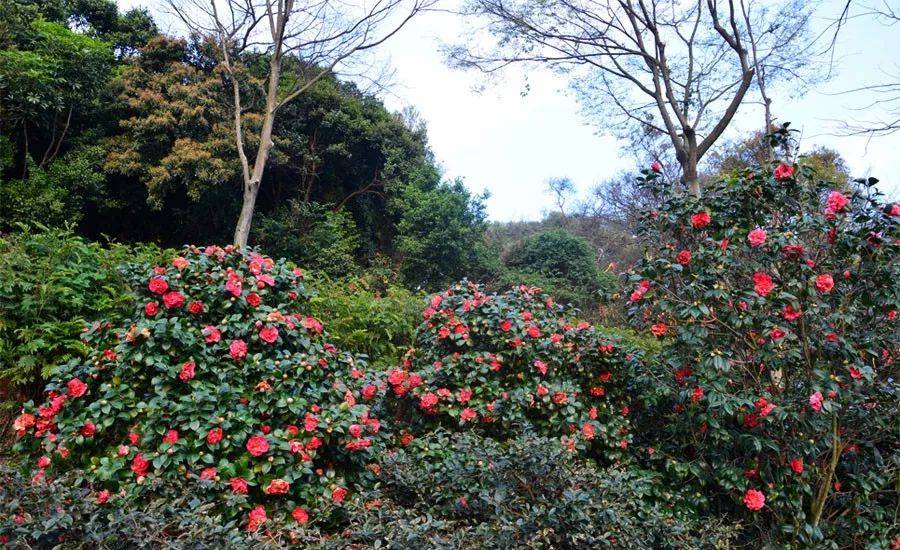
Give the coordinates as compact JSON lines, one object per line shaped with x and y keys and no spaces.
{"x":588,"y":430}
{"x":258,"y":445}
{"x":895,"y":209}
{"x":757,"y":237}
{"x":754,"y":500}
{"x":173,"y":300}
{"x":171,"y":437}
{"x":428,"y":401}
{"x":158,"y":285}
{"x":855,"y":373}
{"x":797,"y":465}
{"x":815,"y":401}
{"x":836,"y":202}
{"x":700,"y":220}
{"x":278,"y":487}
{"x":187,"y":371}
{"x":824,"y":283}
{"x":208,"y":474}
{"x":683,"y":257}
{"x":338,"y":495}
{"x":237,"y":349}
{"x":239,"y":486}
{"x":179,"y":263}
{"x":268,"y":335}
{"x":300,"y":515}
{"x":310,"y":422}
{"x":102,"y":496}
{"x":791,"y":314}
{"x":468,"y":414}
{"x":762,"y":284}
{"x":656,"y":166}
{"x":151,"y":309}
{"x":211,"y":334}
{"x":44,"y":462}
{"x":214,"y":436}
{"x":784,"y":172}
{"x":256,"y":518}
{"x":76,"y":387}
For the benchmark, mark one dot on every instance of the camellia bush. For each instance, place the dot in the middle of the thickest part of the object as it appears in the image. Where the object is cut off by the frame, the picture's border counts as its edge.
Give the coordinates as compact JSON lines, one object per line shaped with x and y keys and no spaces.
{"x":775,"y":296}
{"x":505,"y":363}
{"x":222,"y":380}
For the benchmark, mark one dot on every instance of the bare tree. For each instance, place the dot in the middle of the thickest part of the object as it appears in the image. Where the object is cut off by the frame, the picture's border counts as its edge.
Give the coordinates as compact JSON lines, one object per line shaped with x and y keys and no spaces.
{"x":680,"y":69}
{"x":562,"y":190}
{"x":302,"y":42}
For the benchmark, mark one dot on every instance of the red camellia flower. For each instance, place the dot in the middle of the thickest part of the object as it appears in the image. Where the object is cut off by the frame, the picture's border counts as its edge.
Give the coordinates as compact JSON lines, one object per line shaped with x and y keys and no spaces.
{"x":208,"y":473}
{"x":23,"y":423}
{"x":656,"y":166}
{"x":258,"y":445}
{"x":754,"y":500}
{"x":468,"y":414}
{"x":256,"y":518}
{"x":173,"y":299}
{"x":102,"y":496}
{"x":659,"y":329}
{"x":268,"y":335}
{"x":151,"y":309}
{"x":683,"y":257}
{"x":196,"y":308}
{"x":700,"y":220}
{"x":300,"y":515}
{"x":797,"y":465}
{"x":89,"y":429}
{"x":237,"y":349}
{"x":211,"y":334}
{"x":697,"y":394}
{"x":757,"y":237}
{"x":762,"y":284}
{"x":171,"y":437}
{"x":338,"y":495}
{"x":158,"y":285}
{"x":815,"y":401}
{"x":824,"y":283}
{"x":784,"y":172}
{"x":214,"y":436}
{"x":428,"y":401}
{"x":239,"y":486}
{"x":76,"y":387}
{"x":44,"y":462}
{"x":139,"y":465}
{"x":534,"y":331}
{"x":187,"y":371}
{"x":278,"y":487}
{"x":253,"y":299}
{"x":791,"y":314}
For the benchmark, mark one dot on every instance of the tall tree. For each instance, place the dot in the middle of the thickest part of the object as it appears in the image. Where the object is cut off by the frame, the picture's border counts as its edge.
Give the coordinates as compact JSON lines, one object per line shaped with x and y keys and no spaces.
{"x":302,"y":42}
{"x":679,"y":69}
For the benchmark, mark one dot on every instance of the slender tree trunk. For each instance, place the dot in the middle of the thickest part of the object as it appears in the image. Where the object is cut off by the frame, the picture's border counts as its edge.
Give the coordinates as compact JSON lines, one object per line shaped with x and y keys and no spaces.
{"x":251,"y":187}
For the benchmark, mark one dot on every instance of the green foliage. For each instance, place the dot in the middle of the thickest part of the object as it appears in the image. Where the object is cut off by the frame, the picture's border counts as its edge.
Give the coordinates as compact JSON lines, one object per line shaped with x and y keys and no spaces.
{"x":368,"y":316}
{"x":562,"y":264}
{"x":312,"y":235}
{"x":219,"y":379}
{"x":501,"y":363}
{"x":465,"y":491}
{"x":57,"y":194}
{"x":777,"y":372}
{"x":439,"y":234}
{"x":51,"y":283}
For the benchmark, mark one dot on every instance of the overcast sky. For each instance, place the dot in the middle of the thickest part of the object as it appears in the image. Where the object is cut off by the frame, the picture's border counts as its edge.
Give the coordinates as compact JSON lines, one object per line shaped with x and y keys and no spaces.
{"x":509,"y":144}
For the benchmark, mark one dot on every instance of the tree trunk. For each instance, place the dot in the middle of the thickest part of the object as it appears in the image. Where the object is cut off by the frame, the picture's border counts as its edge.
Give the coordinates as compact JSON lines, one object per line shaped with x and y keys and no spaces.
{"x":689,"y":173}
{"x":242,"y":229}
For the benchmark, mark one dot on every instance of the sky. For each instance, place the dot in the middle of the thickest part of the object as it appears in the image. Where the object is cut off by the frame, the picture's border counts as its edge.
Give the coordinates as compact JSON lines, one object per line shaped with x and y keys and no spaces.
{"x":499,"y":140}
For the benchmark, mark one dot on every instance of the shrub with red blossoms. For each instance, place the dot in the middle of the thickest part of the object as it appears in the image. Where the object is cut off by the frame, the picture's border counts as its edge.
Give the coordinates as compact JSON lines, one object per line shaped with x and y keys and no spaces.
{"x":499,"y":363}
{"x":796,"y":364}
{"x":214,"y":394}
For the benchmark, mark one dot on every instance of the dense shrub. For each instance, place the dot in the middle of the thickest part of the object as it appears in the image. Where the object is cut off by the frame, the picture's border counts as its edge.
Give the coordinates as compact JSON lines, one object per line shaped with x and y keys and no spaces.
{"x":51,"y":283}
{"x":465,"y":491}
{"x":776,"y":390}
{"x":310,"y":234}
{"x":563,"y":265}
{"x":220,"y":378}
{"x":368,"y":315}
{"x":503,"y":363}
